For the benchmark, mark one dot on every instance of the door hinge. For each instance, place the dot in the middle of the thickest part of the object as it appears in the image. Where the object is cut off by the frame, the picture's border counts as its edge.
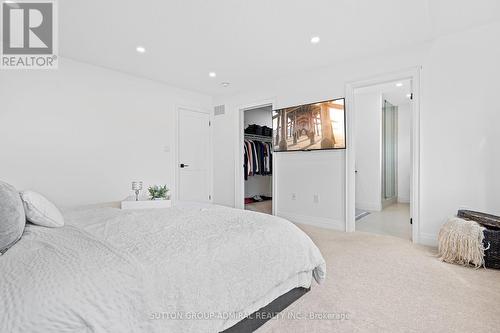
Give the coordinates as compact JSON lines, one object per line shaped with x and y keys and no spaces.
{"x":411,"y":97}
{"x":411,"y":220}
{"x":209,"y":197}
{"x":209,"y":123}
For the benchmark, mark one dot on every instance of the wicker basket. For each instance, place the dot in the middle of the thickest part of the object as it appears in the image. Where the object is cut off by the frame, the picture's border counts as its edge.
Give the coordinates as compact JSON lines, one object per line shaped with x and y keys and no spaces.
{"x":491,"y":235}
{"x":492,"y":255}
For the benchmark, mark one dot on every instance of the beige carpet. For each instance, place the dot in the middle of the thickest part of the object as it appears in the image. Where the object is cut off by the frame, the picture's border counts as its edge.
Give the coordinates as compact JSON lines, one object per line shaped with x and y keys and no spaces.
{"x":386,"y":284}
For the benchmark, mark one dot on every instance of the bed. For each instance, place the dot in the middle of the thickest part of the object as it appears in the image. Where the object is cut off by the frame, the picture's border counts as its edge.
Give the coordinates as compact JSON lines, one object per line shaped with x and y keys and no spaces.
{"x":189,"y":268}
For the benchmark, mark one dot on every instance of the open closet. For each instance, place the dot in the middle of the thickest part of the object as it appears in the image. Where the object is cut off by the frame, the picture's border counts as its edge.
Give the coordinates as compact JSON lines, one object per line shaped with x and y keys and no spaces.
{"x":258,"y":161}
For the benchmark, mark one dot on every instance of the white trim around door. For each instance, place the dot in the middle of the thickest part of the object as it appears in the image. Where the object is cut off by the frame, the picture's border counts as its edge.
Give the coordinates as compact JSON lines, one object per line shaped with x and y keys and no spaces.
{"x":413,"y":74}
{"x":176,"y":161}
{"x":239,"y":181}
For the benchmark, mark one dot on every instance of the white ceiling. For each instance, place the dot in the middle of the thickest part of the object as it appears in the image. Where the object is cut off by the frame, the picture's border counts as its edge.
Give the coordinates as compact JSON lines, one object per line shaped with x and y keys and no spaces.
{"x":246,"y":42}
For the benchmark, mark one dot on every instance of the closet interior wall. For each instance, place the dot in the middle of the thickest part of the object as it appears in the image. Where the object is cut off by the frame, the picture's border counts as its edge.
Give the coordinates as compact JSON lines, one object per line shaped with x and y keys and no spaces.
{"x":258,"y":185}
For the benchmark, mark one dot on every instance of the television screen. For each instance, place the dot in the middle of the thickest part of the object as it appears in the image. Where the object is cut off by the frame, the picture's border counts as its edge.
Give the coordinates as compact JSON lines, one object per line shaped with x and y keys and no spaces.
{"x":310,"y":127}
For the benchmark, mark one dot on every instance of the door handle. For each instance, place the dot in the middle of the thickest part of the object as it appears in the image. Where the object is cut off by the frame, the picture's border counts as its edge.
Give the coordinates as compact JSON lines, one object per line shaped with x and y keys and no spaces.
{"x":184,"y":165}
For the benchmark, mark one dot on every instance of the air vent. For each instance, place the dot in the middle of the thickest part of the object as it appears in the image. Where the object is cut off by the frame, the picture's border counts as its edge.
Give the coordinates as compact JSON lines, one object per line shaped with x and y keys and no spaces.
{"x":219,"y":110}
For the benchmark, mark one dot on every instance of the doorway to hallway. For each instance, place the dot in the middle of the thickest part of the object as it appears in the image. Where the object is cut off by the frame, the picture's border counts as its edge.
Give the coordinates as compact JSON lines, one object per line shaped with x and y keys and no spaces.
{"x":383,"y":158}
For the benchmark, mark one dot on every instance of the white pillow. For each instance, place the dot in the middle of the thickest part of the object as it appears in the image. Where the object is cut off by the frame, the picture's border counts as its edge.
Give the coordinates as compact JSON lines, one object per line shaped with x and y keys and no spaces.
{"x":39,"y":210}
{"x":12,"y":216}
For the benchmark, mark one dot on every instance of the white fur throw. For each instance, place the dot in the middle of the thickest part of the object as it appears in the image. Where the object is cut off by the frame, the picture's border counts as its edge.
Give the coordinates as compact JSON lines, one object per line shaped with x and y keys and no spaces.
{"x":461,"y":242}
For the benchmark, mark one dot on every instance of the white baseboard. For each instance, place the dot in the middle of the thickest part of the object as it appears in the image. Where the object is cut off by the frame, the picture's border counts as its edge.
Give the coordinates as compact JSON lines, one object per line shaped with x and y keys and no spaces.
{"x":428,"y":239}
{"x":403,"y":200}
{"x":388,"y":202}
{"x":321,"y":222}
{"x":371,"y":207}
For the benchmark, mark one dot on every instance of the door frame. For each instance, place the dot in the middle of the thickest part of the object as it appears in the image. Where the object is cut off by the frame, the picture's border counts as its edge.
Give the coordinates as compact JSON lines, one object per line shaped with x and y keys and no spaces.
{"x":239,"y":180}
{"x":387,"y":202}
{"x":413,"y":74}
{"x":176,"y":161}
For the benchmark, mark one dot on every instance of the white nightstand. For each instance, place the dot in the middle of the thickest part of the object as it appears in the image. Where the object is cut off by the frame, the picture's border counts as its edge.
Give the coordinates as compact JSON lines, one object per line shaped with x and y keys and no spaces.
{"x":144,"y":203}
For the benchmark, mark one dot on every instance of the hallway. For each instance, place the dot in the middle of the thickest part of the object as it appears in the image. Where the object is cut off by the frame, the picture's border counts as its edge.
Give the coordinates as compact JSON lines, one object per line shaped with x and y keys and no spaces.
{"x":393,"y":220}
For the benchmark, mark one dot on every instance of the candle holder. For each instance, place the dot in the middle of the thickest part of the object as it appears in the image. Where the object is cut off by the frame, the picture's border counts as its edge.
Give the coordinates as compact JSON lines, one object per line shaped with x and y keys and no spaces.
{"x":136,"y":187}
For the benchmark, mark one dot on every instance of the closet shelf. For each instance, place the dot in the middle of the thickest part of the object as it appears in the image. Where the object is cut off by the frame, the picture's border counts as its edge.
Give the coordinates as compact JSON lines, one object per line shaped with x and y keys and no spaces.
{"x":260,"y":138}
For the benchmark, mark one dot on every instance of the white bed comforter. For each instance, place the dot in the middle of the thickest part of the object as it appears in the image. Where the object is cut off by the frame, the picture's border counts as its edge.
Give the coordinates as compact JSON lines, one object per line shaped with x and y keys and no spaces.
{"x":185,"y":269}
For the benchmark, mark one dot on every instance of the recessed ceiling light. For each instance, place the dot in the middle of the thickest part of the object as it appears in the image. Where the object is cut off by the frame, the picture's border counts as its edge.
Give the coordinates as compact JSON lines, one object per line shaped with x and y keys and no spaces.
{"x":212,"y":74}
{"x":140,"y":49}
{"x":315,"y":40}
{"x":399,"y":84}
{"x":225,"y":84}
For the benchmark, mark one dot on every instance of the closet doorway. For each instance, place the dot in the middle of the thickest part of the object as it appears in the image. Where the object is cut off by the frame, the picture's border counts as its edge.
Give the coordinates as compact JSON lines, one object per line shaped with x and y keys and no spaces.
{"x":255,"y":171}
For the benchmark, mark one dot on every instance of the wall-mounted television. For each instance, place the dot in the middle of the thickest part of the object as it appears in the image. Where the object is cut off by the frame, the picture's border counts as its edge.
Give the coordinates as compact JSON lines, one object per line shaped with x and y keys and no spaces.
{"x":314,"y":126}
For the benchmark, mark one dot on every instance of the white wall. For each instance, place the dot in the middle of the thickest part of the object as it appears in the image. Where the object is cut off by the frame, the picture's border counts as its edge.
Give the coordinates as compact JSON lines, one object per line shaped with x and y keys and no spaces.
{"x":368,"y":109}
{"x":310,"y":174}
{"x":258,"y":184}
{"x":404,"y":153}
{"x":459,"y":132}
{"x":460,"y":158}
{"x":81,"y":134}
{"x":306,"y":173}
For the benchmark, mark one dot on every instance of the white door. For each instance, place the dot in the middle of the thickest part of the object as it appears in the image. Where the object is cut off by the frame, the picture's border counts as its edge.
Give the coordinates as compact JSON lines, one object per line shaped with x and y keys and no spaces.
{"x":193,"y":156}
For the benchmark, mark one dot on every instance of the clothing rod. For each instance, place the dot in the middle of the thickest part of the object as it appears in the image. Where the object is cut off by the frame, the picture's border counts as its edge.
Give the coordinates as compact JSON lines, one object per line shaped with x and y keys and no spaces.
{"x":261,"y":138}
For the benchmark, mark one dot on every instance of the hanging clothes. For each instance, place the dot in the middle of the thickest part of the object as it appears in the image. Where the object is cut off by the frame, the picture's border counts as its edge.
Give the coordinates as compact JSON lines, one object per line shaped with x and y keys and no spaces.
{"x":258,"y":158}
{"x":245,"y":165}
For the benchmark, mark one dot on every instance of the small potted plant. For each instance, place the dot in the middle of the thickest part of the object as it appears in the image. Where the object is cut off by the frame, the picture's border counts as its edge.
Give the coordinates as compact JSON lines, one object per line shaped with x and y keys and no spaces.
{"x":158,"y":192}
